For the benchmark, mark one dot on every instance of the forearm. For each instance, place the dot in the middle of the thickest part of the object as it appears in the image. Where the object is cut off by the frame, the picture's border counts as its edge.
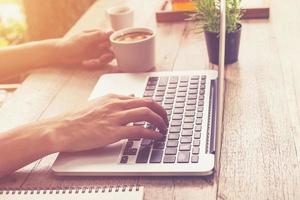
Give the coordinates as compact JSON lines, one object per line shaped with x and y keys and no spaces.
{"x":17,"y":59}
{"x":23,"y":145}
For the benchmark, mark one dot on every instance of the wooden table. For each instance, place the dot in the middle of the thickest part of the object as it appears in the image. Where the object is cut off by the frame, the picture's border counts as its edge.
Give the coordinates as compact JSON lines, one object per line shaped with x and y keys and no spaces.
{"x":261,"y":141}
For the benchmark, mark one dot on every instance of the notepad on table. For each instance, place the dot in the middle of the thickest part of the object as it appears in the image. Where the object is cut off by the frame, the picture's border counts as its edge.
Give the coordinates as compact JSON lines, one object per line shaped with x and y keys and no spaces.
{"x":106,"y":193}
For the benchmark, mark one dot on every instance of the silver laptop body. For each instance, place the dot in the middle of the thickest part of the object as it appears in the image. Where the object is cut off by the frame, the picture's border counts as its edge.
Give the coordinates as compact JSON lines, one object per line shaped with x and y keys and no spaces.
{"x":197,"y":154}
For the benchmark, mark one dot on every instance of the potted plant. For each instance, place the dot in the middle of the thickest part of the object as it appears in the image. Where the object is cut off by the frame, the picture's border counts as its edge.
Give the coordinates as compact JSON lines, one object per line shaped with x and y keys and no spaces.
{"x":208,"y":12}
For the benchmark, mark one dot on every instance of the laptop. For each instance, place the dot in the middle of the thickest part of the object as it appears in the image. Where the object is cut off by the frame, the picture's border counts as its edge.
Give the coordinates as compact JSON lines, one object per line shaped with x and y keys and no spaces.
{"x":194,"y":103}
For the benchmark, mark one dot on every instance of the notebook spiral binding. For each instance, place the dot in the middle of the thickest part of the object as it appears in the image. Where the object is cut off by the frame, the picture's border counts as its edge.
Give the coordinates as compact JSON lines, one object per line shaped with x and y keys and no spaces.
{"x":71,"y":190}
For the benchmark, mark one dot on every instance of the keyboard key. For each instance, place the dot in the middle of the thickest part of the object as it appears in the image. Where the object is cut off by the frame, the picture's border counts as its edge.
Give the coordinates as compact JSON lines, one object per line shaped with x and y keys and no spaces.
{"x":193,"y":91}
{"x":178,"y":111}
{"x":197,"y":134}
{"x":179,"y":105}
{"x":161,"y":88}
{"x":196,"y":77}
{"x":191,"y":102}
{"x":150,"y":87}
{"x":189,"y":113}
{"x":183,"y":84}
{"x":173,"y":136}
{"x":124,"y":159}
{"x":199,"y":114}
{"x":163,"y":81}
{"x":184,"y":79}
{"x":201,"y":97}
{"x":202,"y":92}
{"x":195,"y":159}
{"x":171,"y":151}
{"x":172,"y":86}
{"x":198,"y":128}
{"x":199,"y":121}
{"x":160,"y":93}
{"x":172,"y":143}
{"x":153,"y":78}
{"x":143,"y":154}
{"x":170,"y":96}
{"x":188,"y":119}
{"x":130,"y":151}
{"x":203,"y":82}
{"x":181,"y":94}
{"x":173,"y":79}
{"x":151,"y":83}
{"x":177,"y":117}
{"x":171,"y":91}
{"x":185,"y":147}
{"x":158,"y":99}
{"x":195,"y":86}
{"x":203,"y":77}
{"x":188,"y":126}
{"x":139,"y":124}
{"x":175,"y":129}
{"x":190,"y":107}
{"x":192,"y":96}
{"x":156,"y":156}
{"x":169,"y":101}
{"x":194,"y":82}
{"x":187,"y":132}
{"x":196,"y":143}
{"x":180,"y":99}
{"x":202,"y":87}
{"x":158,"y":145}
{"x":182,"y":89}
{"x":183,"y":157}
{"x":146,"y":142}
{"x":200,"y":103}
{"x":175,"y":123}
{"x":169,"y":112}
{"x":129,"y":144}
{"x":168,"y":106}
{"x":200,"y":108}
{"x":169,"y":158}
{"x":196,"y":150}
{"x":148,"y":93}
{"x":186,"y":139}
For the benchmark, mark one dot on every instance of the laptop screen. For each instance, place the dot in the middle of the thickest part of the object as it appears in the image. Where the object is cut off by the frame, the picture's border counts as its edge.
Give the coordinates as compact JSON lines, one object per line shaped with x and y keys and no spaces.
{"x":221,"y":72}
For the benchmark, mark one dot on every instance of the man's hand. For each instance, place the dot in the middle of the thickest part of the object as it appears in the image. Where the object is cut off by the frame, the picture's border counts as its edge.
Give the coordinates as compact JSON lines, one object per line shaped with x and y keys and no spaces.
{"x":89,"y":49}
{"x":104,"y":121}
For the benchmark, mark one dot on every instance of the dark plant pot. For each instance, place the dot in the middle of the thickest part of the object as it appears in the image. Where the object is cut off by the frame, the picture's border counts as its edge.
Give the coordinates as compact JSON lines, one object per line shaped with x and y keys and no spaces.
{"x":231,"y":47}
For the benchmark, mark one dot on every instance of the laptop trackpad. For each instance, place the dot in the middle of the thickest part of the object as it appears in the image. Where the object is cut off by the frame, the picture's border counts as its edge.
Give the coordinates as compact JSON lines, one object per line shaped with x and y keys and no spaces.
{"x":106,"y":155}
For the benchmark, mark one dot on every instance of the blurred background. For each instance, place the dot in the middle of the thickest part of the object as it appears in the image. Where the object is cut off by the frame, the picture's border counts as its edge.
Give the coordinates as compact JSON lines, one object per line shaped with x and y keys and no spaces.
{"x":28,"y":20}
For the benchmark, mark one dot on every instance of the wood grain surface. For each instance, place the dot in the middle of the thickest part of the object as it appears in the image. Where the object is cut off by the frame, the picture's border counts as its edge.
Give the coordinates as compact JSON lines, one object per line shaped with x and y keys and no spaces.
{"x":261,"y":139}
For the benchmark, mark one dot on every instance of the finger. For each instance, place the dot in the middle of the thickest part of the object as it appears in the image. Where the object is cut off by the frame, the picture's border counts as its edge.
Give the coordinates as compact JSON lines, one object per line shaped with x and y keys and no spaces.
{"x":132,"y":132}
{"x":120,"y":97}
{"x":96,"y":63}
{"x":98,"y":51}
{"x":149,"y":103}
{"x":143,"y":114}
{"x":98,"y":36}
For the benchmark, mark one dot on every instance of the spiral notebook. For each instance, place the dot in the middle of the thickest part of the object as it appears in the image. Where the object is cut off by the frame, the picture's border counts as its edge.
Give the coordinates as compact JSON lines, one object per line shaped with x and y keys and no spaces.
{"x":93,"y":193}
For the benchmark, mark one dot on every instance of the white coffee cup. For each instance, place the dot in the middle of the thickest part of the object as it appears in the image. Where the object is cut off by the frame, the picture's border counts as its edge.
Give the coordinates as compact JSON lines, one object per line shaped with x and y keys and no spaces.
{"x":135,"y":55}
{"x":120,"y":17}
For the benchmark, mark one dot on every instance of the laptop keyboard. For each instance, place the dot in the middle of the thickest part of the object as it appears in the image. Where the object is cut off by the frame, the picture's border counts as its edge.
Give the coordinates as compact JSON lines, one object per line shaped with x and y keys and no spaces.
{"x":183,"y":99}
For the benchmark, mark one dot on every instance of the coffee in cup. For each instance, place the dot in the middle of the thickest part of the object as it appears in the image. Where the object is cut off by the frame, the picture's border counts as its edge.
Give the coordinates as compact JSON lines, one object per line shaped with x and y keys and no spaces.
{"x":134,"y":49}
{"x":133,"y":37}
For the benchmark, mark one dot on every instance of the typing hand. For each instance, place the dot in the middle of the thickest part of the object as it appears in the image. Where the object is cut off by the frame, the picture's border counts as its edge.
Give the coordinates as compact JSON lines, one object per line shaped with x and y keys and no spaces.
{"x":104,"y":121}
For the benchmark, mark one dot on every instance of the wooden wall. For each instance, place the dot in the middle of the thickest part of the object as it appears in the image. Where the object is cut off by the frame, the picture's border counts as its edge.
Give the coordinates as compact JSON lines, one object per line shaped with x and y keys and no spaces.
{"x":53,"y":18}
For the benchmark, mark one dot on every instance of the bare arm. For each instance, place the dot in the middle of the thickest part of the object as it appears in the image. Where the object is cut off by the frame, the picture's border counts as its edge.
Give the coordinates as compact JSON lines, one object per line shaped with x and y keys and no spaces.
{"x":99,"y":123}
{"x":87,"y":48}
{"x":17,"y":59}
